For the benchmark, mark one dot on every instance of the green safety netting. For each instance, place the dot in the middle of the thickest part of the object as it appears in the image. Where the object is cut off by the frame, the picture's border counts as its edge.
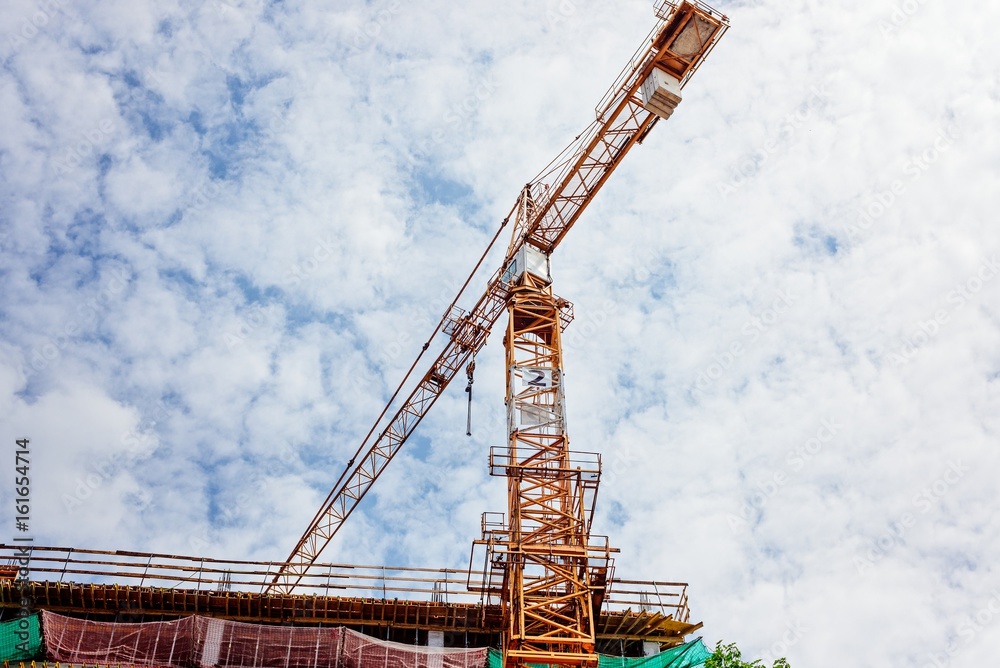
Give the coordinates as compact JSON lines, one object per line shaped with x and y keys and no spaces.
{"x":688,"y":655}
{"x":21,"y":639}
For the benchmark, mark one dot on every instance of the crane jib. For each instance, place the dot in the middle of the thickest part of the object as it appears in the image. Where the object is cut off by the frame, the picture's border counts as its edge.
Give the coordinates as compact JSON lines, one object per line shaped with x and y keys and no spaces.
{"x":646,"y":90}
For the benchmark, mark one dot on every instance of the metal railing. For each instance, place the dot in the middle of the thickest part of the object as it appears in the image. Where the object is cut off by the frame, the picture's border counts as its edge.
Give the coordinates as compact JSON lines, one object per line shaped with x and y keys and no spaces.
{"x":232,"y":577}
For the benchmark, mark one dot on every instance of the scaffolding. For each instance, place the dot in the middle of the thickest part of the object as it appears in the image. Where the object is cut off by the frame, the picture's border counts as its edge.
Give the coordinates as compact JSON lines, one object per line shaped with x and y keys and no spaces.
{"x":393,"y":603}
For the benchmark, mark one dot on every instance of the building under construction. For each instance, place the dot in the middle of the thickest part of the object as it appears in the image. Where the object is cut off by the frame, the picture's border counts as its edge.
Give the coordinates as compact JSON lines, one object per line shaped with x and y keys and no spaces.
{"x":540,"y":588}
{"x":412,"y":606}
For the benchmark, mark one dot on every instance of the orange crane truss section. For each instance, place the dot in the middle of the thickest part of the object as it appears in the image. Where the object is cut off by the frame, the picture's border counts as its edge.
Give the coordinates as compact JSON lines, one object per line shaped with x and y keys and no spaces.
{"x":547,"y":601}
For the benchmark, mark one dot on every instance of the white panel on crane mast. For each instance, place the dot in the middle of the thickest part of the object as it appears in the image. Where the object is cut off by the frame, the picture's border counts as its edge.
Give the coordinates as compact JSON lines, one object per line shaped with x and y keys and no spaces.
{"x":661,"y":93}
{"x":528,"y":259}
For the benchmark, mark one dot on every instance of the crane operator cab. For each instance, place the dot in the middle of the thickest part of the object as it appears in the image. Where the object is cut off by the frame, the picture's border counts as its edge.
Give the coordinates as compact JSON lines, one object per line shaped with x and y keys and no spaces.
{"x":528,"y":259}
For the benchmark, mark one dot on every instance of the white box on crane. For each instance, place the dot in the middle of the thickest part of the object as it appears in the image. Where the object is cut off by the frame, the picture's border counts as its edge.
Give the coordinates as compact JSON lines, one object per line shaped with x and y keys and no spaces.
{"x":528,"y":259}
{"x":660,"y":93}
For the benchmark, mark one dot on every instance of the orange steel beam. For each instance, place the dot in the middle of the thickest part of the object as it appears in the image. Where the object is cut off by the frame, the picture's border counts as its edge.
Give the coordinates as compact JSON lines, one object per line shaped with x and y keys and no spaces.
{"x":681,"y":38}
{"x":546,"y":596}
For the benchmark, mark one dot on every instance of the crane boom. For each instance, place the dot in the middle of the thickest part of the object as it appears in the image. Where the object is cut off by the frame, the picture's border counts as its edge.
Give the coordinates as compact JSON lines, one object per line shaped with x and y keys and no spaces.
{"x":646,"y":90}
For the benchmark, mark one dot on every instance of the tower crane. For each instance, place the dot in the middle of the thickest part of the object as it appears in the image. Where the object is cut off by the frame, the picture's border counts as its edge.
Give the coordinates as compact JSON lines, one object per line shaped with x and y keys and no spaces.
{"x":539,"y":558}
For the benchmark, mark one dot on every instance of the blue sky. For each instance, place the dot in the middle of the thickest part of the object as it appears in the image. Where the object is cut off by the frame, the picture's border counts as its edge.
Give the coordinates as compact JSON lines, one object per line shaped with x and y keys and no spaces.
{"x":227,"y":227}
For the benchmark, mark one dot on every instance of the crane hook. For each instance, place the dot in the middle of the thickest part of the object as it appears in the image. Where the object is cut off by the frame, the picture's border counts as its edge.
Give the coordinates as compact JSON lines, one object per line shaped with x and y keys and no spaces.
{"x":469,"y":371}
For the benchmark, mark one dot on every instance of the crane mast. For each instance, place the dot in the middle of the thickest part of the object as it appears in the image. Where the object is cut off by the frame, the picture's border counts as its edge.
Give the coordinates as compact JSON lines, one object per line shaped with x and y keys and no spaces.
{"x":542,"y":556}
{"x":539,"y":558}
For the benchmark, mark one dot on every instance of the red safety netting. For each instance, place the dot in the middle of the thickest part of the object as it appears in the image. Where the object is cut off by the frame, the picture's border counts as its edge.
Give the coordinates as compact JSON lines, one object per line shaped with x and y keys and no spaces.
{"x":228,"y":644}
{"x":151,"y":644}
{"x":204,"y":642}
{"x":361,"y":651}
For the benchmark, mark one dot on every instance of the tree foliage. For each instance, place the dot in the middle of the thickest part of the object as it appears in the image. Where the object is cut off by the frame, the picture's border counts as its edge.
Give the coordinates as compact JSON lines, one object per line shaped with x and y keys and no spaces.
{"x":729,"y":656}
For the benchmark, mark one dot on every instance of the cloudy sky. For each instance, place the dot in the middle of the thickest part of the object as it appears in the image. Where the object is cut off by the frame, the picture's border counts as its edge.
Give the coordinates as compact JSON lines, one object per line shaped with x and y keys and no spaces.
{"x":227,"y":227}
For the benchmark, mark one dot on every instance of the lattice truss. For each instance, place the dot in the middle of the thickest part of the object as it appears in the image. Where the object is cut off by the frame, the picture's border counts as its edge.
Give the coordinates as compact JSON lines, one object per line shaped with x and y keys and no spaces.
{"x":548,"y":606}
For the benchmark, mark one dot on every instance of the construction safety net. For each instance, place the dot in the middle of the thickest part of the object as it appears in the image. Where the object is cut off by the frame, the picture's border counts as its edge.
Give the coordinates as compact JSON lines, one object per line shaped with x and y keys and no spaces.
{"x":205,"y":642}
{"x":688,"y":655}
{"x":21,"y":639}
{"x":152,"y":643}
{"x":233,"y":644}
{"x":361,"y":651}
